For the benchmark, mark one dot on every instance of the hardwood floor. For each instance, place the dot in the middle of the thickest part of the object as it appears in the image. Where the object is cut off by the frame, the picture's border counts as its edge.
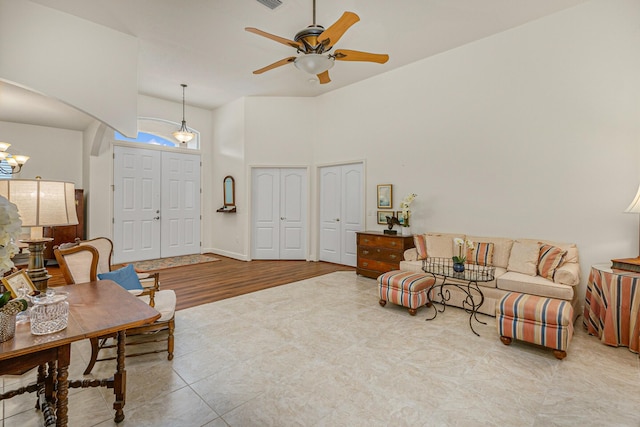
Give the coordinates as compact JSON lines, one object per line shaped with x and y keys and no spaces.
{"x":213,"y":281}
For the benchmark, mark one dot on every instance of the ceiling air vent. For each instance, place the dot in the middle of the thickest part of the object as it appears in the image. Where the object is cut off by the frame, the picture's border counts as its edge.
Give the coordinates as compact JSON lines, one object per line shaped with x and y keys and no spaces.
{"x":271,"y":4}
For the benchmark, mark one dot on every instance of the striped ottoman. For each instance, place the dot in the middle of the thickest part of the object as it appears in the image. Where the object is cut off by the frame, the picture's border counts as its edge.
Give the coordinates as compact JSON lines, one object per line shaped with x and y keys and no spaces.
{"x":538,"y":320}
{"x":405,"y":288}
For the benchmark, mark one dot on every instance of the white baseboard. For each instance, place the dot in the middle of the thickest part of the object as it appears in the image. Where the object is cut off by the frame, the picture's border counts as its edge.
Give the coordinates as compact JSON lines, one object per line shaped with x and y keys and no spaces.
{"x":228,"y":254}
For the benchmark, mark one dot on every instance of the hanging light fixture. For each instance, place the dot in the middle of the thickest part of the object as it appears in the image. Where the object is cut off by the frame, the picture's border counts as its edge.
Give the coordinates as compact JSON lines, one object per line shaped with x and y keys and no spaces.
{"x":183,"y":135}
{"x":15,"y":161}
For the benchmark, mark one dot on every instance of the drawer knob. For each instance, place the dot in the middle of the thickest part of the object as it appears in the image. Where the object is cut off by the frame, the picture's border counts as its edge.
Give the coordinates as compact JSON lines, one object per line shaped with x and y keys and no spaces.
{"x":365,"y":264}
{"x":394,"y":243}
{"x":393,"y":256}
{"x":365,"y":252}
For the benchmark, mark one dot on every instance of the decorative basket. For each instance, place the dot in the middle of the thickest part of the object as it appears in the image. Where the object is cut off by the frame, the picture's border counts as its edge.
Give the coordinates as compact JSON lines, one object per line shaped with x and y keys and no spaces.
{"x":7,"y":326}
{"x":50,"y":313}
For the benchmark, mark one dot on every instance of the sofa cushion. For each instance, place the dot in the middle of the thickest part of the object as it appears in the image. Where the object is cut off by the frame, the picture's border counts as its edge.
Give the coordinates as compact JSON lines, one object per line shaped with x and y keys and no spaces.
{"x":524,"y":258}
{"x":481,"y":254}
{"x":440,"y":245}
{"x":550,"y":258}
{"x":571,"y":248}
{"x":568,"y":274}
{"x":518,"y":282}
{"x":501,"y":248}
{"x":420,"y":242}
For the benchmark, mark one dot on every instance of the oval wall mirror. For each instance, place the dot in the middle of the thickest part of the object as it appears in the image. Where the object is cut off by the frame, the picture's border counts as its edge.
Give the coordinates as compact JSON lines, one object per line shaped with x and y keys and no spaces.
{"x":229,"y":191}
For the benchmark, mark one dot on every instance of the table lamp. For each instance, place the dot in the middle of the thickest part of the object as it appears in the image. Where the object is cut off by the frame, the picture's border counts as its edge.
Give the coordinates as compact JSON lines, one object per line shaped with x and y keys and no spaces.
{"x":40,"y":204}
{"x":634,"y":207}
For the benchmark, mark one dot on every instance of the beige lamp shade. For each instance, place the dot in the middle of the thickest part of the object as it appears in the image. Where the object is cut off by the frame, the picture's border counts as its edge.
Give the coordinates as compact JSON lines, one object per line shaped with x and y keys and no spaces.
{"x":634,"y":207}
{"x":42,"y":203}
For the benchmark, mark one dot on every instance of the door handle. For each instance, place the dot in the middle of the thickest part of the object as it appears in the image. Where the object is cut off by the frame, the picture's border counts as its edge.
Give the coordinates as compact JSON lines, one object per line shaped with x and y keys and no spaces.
{"x":337,"y":219}
{"x":156,"y":218}
{"x":282,"y":218}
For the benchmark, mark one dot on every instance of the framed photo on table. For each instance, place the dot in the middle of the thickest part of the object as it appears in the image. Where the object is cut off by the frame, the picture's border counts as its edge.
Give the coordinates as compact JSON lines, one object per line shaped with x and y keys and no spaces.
{"x":400,"y":217}
{"x":385,"y":196}
{"x":382,"y":216}
{"x":16,"y":281}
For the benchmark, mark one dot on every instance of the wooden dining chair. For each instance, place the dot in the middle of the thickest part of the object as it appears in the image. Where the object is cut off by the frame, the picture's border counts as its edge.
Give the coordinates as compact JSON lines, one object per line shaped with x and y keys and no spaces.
{"x":83,"y":261}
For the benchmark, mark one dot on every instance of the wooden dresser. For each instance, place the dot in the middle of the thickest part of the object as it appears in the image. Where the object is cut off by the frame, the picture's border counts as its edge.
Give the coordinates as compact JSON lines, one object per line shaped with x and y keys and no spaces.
{"x":379,"y":252}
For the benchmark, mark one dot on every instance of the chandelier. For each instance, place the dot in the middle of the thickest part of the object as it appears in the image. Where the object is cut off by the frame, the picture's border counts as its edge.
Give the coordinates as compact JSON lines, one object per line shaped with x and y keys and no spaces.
{"x":183,"y":134}
{"x":14,"y":161}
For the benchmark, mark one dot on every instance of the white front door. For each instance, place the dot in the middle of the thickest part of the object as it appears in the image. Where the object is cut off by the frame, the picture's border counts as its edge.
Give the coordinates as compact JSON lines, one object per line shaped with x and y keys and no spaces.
{"x":136,"y":204}
{"x":156,"y":208}
{"x":180,"y":219}
{"x":279,"y":217}
{"x":341,"y":212}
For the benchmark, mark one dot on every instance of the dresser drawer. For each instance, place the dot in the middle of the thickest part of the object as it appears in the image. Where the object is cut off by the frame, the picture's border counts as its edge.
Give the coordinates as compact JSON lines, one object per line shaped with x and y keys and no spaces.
{"x":380,"y":241}
{"x":380,"y":254}
{"x":381,"y":266}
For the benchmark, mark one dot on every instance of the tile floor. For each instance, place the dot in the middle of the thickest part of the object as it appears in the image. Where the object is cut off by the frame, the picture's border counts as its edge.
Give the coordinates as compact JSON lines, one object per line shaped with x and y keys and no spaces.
{"x":322,"y":352}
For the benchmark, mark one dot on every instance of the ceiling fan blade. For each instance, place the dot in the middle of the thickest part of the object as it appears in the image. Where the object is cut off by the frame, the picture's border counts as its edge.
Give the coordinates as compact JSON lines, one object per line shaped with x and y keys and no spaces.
{"x":331,"y":35}
{"x":324,"y":77}
{"x":355,"y":55}
{"x":276,"y":64}
{"x":279,"y":39}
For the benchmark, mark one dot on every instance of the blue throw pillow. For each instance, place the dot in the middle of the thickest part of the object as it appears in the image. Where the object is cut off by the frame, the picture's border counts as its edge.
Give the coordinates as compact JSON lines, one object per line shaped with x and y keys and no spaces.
{"x":125,"y":277}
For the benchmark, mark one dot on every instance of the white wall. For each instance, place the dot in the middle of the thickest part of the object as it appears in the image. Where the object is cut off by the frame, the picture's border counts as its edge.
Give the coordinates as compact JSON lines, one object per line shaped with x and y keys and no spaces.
{"x":533,"y":132}
{"x":55,"y":154}
{"x":86,"y":65}
{"x":227,"y":232}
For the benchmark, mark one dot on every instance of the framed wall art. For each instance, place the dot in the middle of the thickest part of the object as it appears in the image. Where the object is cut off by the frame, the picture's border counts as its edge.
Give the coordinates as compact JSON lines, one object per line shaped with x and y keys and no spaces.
{"x":18,"y":281}
{"x":382,"y":216}
{"x":385,"y":196}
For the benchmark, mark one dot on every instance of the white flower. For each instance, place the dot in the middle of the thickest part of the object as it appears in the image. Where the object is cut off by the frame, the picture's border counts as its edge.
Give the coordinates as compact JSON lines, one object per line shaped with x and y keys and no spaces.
{"x":10,"y":225}
{"x":406,"y":202}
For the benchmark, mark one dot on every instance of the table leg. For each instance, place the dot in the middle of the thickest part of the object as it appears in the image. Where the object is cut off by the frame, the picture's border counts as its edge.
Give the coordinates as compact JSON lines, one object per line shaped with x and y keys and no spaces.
{"x":120,"y":379}
{"x":62,"y":381}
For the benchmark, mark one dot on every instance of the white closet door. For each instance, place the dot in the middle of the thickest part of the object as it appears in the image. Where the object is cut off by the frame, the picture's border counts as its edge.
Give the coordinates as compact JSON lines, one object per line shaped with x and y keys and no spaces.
{"x":352,"y":212}
{"x":293,"y":213}
{"x":180,"y":213}
{"x":136,"y":204}
{"x":330,"y":205}
{"x":279,"y":218}
{"x":341,"y":212}
{"x":265,"y":188}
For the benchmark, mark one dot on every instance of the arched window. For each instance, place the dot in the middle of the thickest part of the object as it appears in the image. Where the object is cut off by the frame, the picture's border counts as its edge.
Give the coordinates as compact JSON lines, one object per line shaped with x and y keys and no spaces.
{"x":159,"y":132}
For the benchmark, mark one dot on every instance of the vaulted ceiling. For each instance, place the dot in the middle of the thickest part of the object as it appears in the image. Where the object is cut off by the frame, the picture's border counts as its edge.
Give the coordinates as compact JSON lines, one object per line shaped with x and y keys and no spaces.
{"x":203,"y":43}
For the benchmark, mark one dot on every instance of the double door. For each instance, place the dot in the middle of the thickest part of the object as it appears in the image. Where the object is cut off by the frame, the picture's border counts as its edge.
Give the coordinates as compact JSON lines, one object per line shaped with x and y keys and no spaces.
{"x":341,"y":212}
{"x":156,"y":203}
{"x":279,"y":213}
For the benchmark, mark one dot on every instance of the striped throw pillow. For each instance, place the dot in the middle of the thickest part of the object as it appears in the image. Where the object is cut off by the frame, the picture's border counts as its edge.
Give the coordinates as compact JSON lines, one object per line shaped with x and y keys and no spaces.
{"x":550,"y":258}
{"x":420,"y":243}
{"x":482,"y":254}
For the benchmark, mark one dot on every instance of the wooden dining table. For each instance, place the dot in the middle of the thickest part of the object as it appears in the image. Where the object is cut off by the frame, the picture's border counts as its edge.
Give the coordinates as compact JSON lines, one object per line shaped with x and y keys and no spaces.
{"x":96,"y":309}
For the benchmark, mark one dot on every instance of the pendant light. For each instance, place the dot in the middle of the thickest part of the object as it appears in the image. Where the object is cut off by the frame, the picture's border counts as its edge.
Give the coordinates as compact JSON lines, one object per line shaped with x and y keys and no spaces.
{"x":183,"y":135}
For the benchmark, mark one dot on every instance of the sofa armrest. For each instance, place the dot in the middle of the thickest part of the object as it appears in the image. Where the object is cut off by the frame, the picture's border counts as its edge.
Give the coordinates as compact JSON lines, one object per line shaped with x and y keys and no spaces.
{"x":568,"y":274}
{"x":411,"y":254}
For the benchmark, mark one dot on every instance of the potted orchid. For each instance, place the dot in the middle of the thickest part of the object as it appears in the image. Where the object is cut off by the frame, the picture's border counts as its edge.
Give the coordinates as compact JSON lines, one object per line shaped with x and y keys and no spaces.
{"x":404,"y":208}
{"x":459,"y":260}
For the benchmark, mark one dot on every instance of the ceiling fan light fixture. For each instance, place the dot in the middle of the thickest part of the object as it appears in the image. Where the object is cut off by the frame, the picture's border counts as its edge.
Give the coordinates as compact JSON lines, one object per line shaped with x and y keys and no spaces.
{"x":183,"y":134}
{"x":314,"y":63}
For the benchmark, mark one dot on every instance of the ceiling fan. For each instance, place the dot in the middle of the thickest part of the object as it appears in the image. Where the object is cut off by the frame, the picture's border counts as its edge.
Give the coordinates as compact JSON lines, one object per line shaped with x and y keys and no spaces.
{"x":314,"y":42}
